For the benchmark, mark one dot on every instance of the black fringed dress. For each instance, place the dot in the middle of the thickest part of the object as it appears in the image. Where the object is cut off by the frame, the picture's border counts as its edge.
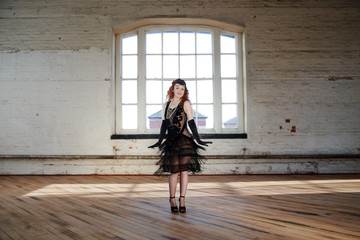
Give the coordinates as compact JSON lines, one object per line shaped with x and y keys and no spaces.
{"x":179,"y":152}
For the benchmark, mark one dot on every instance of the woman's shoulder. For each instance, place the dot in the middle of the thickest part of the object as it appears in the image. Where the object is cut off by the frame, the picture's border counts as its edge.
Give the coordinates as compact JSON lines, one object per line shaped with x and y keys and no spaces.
{"x":187,"y":103}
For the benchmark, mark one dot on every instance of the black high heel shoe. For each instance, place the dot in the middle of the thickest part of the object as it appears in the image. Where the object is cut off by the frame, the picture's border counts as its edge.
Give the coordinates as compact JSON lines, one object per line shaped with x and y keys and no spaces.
{"x":173,"y":209}
{"x":182,"y":208}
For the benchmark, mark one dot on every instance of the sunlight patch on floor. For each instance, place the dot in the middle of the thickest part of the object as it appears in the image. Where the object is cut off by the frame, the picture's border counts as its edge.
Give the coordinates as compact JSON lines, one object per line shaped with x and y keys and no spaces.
{"x":203,"y":188}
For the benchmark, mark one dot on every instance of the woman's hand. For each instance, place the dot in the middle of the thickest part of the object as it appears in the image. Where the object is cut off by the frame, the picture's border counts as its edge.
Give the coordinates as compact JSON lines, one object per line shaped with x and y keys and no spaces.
{"x":163,"y":128}
{"x":204,"y":143}
{"x":194,"y":131}
{"x":155,"y":145}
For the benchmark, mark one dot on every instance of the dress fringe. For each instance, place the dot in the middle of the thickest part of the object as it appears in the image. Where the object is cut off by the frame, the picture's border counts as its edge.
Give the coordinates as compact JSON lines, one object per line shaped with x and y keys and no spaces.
{"x":169,"y":151}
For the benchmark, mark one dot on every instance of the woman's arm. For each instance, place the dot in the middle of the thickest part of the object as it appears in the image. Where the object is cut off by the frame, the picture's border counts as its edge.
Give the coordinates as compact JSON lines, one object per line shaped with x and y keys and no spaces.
{"x":163,"y":111}
{"x":188,"y":110}
{"x":163,"y":128}
{"x":191,"y":122}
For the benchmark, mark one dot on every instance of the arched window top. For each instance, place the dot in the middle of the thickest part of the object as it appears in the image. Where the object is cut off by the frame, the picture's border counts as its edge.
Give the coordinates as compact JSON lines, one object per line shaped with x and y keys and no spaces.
{"x":178,"y":21}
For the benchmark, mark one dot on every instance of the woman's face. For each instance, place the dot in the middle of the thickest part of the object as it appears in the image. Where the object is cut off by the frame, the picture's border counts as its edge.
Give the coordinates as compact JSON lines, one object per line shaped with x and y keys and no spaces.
{"x":179,"y":90}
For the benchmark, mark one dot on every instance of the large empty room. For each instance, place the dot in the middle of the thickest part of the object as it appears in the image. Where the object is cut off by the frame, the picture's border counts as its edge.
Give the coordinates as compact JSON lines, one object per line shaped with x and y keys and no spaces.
{"x":190,"y":119}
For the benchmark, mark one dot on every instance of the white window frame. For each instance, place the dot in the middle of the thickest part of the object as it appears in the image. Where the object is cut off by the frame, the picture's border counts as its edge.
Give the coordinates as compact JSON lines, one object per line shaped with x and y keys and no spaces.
{"x":141,"y":80}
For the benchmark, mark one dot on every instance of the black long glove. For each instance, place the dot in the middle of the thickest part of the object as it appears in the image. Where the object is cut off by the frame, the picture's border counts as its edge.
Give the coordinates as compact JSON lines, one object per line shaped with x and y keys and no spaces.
{"x":164,"y":125}
{"x":194,"y":131}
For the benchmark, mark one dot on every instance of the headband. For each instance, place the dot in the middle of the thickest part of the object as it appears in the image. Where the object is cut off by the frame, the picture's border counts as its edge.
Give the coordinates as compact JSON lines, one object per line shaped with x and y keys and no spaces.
{"x":182,"y":83}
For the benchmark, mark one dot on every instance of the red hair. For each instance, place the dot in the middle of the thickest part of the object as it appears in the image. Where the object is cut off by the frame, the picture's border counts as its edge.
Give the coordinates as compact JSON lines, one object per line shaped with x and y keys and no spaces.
{"x":170,"y":92}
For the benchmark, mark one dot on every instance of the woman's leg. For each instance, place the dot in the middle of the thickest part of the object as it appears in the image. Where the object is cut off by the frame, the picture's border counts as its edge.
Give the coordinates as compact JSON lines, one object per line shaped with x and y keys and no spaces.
{"x":184,"y":178}
{"x":174,"y":173}
{"x":173,"y":180}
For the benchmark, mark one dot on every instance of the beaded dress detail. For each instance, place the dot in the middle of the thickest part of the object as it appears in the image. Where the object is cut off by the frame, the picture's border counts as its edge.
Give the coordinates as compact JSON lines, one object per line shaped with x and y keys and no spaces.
{"x":179,"y":152}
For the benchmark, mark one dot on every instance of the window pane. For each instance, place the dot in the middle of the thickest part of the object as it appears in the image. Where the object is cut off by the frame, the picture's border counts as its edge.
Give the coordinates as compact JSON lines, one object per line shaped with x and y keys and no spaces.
{"x":205,"y":91}
{"x":229,"y":116}
{"x":129,"y":67}
{"x":129,"y":44}
{"x":227,"y":44}
{"x":129,"y":117}
{"x":153,"y":66}
{"x":153,"y":92}
{"x":228,"y":66}
{"x":153,"y":116}
{"x":191,"y":86}
{"x":166,"y":86}
{"x":187,"y":66}
{"x":171,"y":67}
{"x":205,"y":116}
{"x":187,"y":42}
{"x":170,"y":42}
{"x":228,"y":91}
{"x":203,"y":42}
{"x":153,"y":42}
{"x":129,"y":92}
{"x":204,"y":66}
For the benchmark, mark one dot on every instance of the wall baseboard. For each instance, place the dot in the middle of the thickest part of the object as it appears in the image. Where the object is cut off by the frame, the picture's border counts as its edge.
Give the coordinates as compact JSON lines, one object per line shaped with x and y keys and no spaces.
{"x":144,"y":164}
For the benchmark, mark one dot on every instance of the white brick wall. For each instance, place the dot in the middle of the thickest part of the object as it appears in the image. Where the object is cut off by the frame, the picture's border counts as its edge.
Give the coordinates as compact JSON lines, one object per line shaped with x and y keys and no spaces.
{"x":56,"y":84}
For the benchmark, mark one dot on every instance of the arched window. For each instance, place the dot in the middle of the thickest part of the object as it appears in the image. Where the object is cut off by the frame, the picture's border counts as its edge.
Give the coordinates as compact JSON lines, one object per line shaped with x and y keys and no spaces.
{"x":208,"y":55}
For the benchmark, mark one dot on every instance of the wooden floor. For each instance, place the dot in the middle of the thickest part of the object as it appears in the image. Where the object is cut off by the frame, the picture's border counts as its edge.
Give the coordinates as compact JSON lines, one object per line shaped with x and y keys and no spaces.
{"x":219,"y":207}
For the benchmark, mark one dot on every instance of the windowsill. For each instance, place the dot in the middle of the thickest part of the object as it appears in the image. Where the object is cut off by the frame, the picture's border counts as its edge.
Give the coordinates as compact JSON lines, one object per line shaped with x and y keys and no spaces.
{"x":202,"y":136}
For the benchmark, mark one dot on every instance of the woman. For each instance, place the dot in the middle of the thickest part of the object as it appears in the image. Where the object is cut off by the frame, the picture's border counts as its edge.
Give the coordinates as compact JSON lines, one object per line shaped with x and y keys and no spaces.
{"x":179,"y":153}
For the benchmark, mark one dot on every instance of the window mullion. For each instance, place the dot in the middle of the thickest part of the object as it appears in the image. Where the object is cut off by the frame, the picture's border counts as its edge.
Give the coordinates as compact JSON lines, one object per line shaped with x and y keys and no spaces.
{"x":178,"y":34}
{"x":118,"y":64}
{"x":162,"y":55}
{"x":141,"y":82}
{"x":240,"y":80}
{"x":196,"y":114}
{"x":217,"y":83}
